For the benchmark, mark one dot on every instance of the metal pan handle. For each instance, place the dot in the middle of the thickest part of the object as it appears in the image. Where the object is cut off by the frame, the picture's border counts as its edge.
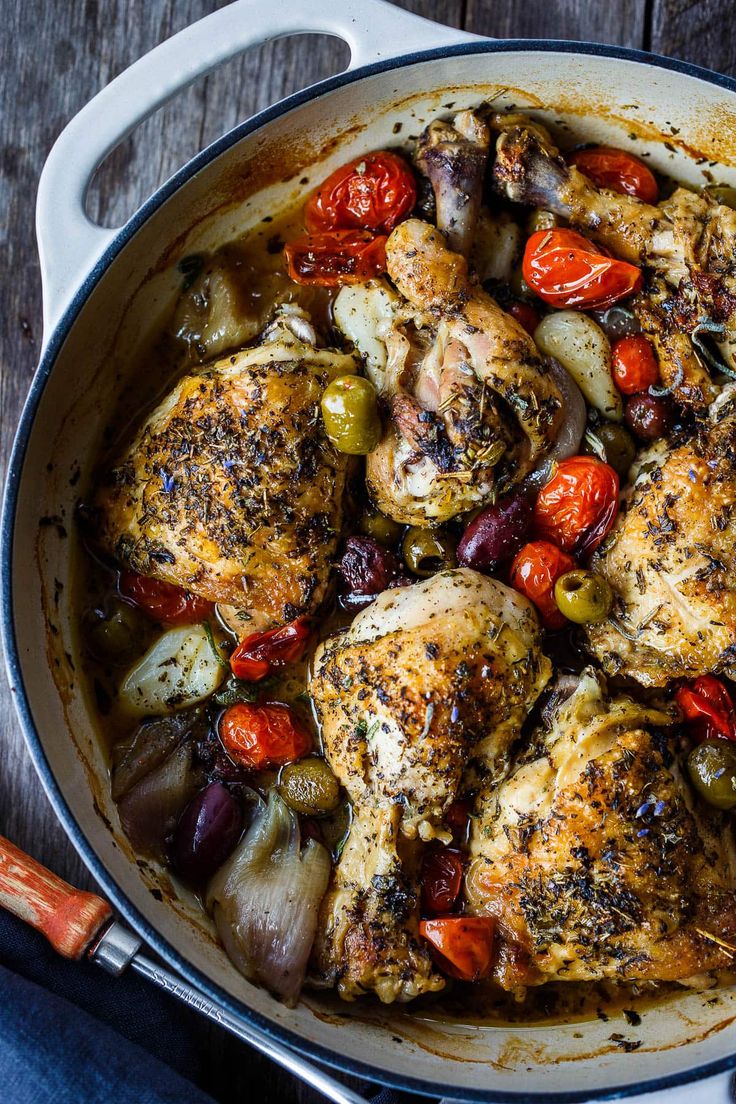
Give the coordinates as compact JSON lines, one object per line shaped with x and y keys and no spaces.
{"x":69,"y":242}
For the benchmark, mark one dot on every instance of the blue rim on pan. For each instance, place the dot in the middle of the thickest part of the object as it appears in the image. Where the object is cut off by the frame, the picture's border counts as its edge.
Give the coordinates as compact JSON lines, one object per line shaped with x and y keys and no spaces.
{"x":58,"y":802}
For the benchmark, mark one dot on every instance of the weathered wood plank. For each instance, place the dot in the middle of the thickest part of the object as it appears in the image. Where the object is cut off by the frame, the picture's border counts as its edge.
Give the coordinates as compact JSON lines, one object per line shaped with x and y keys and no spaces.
{"x":619,"y":21}
{"x":702,"y":31}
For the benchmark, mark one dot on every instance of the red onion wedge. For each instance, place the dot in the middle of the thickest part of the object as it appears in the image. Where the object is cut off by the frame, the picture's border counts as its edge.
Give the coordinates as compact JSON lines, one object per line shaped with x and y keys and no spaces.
{"x":266,"y":898}
{"x":567,"y":442}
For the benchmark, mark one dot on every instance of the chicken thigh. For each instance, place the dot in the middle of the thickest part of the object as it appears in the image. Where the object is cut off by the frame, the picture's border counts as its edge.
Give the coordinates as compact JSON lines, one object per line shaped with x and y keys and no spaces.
{"x":595,"y":857}
{"x":671,"y":561}
{"x":428,"y":681}
{"x":231,"y":488}
{"x":472,"y":404}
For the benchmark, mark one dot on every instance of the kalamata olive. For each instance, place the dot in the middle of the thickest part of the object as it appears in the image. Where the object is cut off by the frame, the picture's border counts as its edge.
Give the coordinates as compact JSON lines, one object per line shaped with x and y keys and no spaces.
{"x":350,"y":415}
{"x":384,"y":529}
{"x":427,"y":551}
{"x":583,"y":597}
{"x":496,"y":534}
{"x":401,"y":581}
{"x":207,"y":832}
{"x":366,"y":567}
{"x":712,"y":768}
{"x":649,"y":416}
{"x":310,"y":787}
{"x":617,"y":322}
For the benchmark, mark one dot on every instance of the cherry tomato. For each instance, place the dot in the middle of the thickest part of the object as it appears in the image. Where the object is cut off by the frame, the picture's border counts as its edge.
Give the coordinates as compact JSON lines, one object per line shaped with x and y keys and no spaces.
{"x":336,"y":257}
{"x":371,"y":193}
{"x":260,"y":736}
{"x":578,"y":506}
{"x":567,"y":270}
{"x":525,"y":315}
{"x":634,"y":365}
{"x":442,"y":878}
{"x":260,"y":653}
{"x":617,"y":170}
{"x":463,"y":945}
{"x":534,"y":573}
{"x":163,"y":601}
{"x":708,"y":707}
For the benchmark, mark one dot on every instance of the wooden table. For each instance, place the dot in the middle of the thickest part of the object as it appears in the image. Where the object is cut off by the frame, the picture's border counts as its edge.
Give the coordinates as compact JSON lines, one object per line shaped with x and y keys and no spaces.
{"x":54,"y":55}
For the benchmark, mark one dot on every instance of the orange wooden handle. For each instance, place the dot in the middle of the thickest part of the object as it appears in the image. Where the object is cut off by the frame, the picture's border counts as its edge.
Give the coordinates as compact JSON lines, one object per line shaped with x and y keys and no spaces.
{"x":69,"y":918}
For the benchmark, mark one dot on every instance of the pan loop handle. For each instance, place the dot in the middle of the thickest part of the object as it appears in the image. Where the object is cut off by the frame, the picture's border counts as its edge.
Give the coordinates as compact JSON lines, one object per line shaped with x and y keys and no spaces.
{"x":70,"y":244}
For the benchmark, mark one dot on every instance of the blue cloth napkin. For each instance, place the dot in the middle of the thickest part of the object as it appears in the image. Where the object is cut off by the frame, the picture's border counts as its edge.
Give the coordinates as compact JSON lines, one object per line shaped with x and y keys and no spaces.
{"x":71,"y":1034}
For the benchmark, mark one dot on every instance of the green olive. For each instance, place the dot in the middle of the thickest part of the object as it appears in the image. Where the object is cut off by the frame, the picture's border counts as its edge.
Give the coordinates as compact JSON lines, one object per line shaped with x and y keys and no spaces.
{"x":309,"y":787}
{"x":384,"y":529}
{"x":539,"y":219}
{"x":583,"y":597}
{"x":116,"y":636}
{"x":519,"y":286}
{"x":427,"y":551}
{"x":618,"y":446}
{"x":350,"y":414}
{"x":712,"y":767}
{"x":722,"y":193}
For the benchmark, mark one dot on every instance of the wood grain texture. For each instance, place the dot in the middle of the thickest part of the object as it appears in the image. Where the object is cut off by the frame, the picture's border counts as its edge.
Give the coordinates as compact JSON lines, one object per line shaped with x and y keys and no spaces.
{"x":69,"y":918}
{"x":54,"y":55}
{"x":619,"y":21}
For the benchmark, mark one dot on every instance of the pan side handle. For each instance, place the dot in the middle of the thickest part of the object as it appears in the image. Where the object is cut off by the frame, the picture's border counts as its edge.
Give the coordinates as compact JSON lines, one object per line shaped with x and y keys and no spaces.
{"x":70,"y":919}
{"x":70,"y":244}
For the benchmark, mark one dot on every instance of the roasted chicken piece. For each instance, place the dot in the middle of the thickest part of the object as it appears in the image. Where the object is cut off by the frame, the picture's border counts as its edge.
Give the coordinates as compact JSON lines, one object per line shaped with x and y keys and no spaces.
{"x":660,"y":315}
{"x":596,"y":858}
{"x":671,"y":561}
{"x":689,"y":239}
{"x":230,"y":488}
{"x":472,"y":404}
{"x":429,"y":682}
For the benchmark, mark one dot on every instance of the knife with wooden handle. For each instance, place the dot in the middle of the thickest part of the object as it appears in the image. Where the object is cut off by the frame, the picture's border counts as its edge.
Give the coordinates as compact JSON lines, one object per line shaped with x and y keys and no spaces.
{"x":78,"y":924}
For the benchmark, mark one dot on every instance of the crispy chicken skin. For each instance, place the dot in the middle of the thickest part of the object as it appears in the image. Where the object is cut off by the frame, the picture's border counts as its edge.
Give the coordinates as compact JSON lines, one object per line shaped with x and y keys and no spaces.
{"x":670,"y":561}
{"x":689,"y":239}
{"x":594,"y":858}
{"x":429,"y":682}
{"x":230,"y":487}
{"x":472,"y":405}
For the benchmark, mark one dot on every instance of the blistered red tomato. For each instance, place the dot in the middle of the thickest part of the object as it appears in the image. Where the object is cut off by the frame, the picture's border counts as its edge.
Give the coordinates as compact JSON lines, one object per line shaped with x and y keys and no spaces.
{"x":617,"y":170}
{"x":708,"y":706}
{"x":525,"y":315}
{"x":578,"y":506}
{"x":634,"y":365}
{"x":163,"y":601}
{"x":336,"y":257}
{"x":260,"y":653}
{"x":567,"y":270}
{"x":442,"y":878}
{"x":535,"y":571}
{"x":261,"y":736}
{"x":374,"y":192}
{"x":463,"y":945}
